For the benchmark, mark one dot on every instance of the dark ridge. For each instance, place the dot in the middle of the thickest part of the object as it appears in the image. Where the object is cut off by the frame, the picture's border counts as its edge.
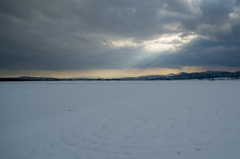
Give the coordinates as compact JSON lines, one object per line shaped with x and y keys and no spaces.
{"x":209,"y":75}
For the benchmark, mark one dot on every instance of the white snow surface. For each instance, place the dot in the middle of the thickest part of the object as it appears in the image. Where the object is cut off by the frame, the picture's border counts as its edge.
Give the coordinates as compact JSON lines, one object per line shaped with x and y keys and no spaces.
{"x":120,"y":120}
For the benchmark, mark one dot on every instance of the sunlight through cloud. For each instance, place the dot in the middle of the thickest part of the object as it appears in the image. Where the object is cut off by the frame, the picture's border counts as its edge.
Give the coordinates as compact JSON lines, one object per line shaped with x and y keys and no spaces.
{"x":166,"y":42}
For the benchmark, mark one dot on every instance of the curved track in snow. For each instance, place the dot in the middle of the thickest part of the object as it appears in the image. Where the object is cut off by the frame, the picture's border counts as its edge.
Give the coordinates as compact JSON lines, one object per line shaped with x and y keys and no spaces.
{"x":176,"y":119}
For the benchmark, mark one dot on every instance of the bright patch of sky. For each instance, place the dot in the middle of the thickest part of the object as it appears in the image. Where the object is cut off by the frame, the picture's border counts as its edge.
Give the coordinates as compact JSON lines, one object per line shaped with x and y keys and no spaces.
{"x":161,"y":44}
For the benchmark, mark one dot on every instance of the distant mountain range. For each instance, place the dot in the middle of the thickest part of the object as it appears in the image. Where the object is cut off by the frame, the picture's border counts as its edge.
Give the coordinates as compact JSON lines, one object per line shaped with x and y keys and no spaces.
{"x":209,"y":75}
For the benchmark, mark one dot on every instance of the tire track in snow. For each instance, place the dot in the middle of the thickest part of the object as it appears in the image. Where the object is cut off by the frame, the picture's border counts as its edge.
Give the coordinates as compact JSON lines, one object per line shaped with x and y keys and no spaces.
{"x":31,"y":116}
{"x":123,"y":131}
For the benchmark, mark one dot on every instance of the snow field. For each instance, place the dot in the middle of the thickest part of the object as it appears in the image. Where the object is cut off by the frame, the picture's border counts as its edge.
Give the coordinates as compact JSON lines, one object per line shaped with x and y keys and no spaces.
{"x":120,"y":120}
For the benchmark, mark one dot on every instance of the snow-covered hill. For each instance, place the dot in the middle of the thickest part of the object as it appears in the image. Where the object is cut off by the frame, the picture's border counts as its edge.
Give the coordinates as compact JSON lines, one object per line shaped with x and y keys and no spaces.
{"x":120,"y":120}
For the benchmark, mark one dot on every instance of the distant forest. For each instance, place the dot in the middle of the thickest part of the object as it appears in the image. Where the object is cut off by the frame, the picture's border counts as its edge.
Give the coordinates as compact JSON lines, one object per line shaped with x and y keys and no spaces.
{"x":209,"y":75}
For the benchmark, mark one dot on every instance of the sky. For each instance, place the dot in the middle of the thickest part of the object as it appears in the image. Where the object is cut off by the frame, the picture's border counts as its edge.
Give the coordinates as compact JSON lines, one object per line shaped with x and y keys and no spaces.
{"x":118,"y":38}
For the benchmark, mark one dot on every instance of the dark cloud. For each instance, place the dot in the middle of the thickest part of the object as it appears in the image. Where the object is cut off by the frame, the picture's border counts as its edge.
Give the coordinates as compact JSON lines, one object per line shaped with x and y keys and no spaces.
{"x":75,"y":34}
{"x":200,"y":52}
{"x":216,"y":12}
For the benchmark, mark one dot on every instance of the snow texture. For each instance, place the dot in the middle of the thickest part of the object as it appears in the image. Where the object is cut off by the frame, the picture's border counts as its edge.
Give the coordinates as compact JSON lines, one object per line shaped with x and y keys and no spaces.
{"x":120,"y":120}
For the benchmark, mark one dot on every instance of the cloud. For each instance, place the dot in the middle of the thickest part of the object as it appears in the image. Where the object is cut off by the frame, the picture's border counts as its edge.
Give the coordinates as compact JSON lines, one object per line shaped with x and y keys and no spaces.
{"x":199,"y":52}
{"x":106,"y":34}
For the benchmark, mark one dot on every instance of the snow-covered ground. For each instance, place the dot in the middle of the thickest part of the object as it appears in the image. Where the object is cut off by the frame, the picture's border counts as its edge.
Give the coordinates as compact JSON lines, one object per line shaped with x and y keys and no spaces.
{"x":120,"y":120}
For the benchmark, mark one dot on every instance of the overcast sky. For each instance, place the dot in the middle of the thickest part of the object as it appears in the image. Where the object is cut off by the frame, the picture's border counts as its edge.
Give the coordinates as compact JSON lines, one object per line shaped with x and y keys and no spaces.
{"x":94,"y":37}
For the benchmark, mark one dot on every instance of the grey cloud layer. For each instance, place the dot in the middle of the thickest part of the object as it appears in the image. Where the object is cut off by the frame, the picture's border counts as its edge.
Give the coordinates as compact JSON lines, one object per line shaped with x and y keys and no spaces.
{"x":59,"y":34}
